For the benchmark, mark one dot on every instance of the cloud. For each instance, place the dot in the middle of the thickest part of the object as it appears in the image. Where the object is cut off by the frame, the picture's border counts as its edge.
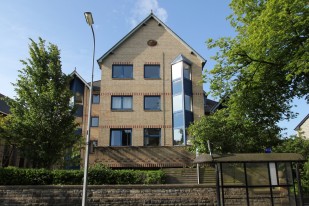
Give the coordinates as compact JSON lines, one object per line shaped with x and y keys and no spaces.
{"x":142,"y":8}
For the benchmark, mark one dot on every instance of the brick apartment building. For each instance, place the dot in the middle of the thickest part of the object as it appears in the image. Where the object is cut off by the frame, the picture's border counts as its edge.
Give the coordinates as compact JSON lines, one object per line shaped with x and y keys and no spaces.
{"x":148,"y":95}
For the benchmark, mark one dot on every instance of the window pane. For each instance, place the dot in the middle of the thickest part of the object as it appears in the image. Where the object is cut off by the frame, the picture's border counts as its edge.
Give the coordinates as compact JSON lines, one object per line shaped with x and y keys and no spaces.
{"x":126,"y":137}
{"x":177,"y":70}
{"x":121,"y":137}
{"x":177,"y":87}
{"x":94,"y":121}
{"x":122,"y":71}
{"x":117,"y":71}
{"x":257,"y":174}
{"x":116,"y":102}
{"x":128,"y":71}
{"x":152,"y":71}
{"x":188,"y":103}
{"x":152,"y":103}
{"x":152,"y":136}
{"x":177,"y":103}
{"x":178,"y":136}
{"x":127,"y":102}
{"x":186,"y":71}
{"x":178,"y":119}
{"x":116,"y":138}
{"x":233,"y":174}
{"x":96,"y":99}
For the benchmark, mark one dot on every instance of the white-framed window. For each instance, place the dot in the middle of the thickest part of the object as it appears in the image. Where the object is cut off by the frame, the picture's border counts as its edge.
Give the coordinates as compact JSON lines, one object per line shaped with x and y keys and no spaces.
{"x":122,"y":103}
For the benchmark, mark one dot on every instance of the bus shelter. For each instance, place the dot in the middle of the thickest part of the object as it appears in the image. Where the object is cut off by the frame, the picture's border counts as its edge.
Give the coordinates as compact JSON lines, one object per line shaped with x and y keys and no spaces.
{"x":256,"y":178}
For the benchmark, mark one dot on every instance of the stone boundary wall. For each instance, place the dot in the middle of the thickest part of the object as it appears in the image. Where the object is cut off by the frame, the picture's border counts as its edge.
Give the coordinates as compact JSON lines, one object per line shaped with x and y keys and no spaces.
{"x":107,"y":195}
{"x":135,"y":195}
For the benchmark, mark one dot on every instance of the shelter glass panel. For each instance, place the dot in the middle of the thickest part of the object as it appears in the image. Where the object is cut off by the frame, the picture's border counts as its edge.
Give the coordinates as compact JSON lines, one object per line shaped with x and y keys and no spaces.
{"x":257,"y":174}
{"x":233,"y":174}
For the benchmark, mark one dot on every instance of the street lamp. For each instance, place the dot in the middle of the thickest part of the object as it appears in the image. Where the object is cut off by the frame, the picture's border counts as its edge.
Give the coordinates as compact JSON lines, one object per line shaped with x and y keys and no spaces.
{"x":89,"y":21}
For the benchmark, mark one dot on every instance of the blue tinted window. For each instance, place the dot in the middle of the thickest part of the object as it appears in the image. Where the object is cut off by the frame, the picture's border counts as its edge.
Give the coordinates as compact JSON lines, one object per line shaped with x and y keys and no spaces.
{"x":177,"y":87}
{"x":152,"y":71}
{"x":94,"y":121}
{"x":95,"y":99}
{"x":152,"y":103}
{"x":121,"y":102}
{"x":122,"y":71}
{"x":121,"y":137}
{"x":178,"y":119}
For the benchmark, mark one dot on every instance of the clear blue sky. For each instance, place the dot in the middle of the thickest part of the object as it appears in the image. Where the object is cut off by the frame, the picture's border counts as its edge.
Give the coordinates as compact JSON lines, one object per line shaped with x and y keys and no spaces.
{"x":63,"y":23}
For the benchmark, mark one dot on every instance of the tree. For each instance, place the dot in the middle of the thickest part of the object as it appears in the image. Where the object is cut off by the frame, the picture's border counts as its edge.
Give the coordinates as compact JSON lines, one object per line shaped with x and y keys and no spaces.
{"x":266,"y":65}
{"x":229,"y":135}
{"x":41,"y":120}
{"x":257,"y":74}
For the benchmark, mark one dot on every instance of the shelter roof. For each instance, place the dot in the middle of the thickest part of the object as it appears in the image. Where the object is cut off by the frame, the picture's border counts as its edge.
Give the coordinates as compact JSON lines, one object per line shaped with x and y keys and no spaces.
{"x":250,"y":157}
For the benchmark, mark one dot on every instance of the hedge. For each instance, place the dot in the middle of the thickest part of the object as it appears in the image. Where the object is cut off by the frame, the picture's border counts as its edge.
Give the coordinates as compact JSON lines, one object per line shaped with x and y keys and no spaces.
{"x":96,"y":176}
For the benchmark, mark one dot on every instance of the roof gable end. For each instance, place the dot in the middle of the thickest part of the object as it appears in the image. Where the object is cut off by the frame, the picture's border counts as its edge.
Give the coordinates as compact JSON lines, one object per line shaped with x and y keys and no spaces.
{"x":203,"y":61}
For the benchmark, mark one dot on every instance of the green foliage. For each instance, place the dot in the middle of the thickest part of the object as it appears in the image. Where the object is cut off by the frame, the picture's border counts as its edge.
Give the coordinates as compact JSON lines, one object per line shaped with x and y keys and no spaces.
{"x":266,"y":64}
{"x":41,"y":124}
{"x":228,"y":134}
{"x":257,"y":75}
{"x":299,"y":145}
{"x":96,"y":176}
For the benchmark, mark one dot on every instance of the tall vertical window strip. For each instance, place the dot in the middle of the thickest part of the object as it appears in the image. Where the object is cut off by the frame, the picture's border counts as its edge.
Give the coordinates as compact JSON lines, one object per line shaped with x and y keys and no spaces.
{"x":186,"y":71}
{"x":188,"y":103}
{"x":94,"y":121}
{"x":95,"y":99}
{"x":122,"y":71}
{"x":121,"y":102}
{"x":152,"y":103}
{"x":152,"y":136}
{"x":151,"y":71}
{"x":121,"y":137}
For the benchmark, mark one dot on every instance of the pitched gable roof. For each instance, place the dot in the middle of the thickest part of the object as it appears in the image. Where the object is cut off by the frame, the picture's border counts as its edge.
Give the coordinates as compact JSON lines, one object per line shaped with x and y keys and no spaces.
{"x":4,"y":108}
{"x":151,"y":15}
{"x":75,"y":73}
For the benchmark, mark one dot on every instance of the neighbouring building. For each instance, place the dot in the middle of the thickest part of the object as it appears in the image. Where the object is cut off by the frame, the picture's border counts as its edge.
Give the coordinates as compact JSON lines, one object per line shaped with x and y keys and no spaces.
{"x":303,"y":127}
{"x":9,"y":155}
{"x":148,"y":95}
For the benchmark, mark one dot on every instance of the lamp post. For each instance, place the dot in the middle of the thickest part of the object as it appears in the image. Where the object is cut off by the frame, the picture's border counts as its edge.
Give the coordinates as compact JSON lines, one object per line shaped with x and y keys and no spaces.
{"x":89,"y":21}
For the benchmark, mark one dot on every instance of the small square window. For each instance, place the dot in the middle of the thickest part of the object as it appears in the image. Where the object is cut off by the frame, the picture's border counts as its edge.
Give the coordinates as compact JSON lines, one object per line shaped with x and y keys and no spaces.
{"x":152,"y":71}
{"x":121,"y":102}
{"x":152,"y":103}
{"x":95,"y":99}
{"x":122,"y":71}
{"x":94,"y":121}
{"x":152,"y":136}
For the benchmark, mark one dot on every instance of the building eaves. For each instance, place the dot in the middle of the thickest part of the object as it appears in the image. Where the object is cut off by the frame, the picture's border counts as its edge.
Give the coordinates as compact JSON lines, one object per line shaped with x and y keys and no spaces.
{"x":151,"y":15}
{"x":301,"y":122}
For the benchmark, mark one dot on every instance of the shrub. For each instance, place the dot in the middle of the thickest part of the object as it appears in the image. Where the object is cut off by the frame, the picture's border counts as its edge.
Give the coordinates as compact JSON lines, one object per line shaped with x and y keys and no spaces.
{"x":97,"y":175}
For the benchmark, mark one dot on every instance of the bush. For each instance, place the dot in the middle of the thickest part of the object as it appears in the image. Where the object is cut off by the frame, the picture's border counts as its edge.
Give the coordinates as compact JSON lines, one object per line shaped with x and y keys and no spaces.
{"x":97,"y":175}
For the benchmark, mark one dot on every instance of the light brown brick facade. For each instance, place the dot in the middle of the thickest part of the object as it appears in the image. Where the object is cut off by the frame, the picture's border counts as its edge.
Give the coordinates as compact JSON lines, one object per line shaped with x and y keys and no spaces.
{"x":135,"y":51}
